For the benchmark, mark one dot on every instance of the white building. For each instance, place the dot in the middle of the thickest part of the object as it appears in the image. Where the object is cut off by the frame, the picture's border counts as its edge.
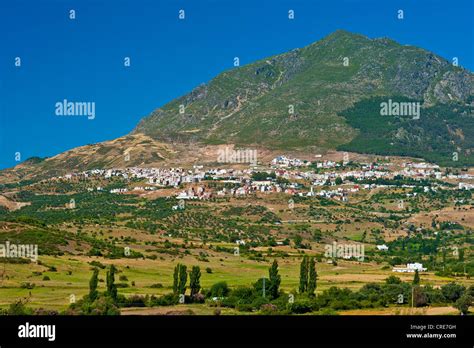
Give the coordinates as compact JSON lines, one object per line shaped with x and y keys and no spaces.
{"x":410,"y":268}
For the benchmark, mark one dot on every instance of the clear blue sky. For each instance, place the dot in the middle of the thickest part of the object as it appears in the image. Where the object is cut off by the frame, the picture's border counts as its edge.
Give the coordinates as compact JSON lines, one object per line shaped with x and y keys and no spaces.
{"x":82,"y":59}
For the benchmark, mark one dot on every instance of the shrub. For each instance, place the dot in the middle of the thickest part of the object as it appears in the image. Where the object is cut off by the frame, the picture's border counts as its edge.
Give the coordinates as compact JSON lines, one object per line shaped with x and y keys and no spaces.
{"x":136,"y":301}
{"x":198,"y":298}
{"x":433,"y":295}
{"x":300,"y":306}
{"x":230,"y":302}
{"x":419,"y":297}
{"x":102,"y":305}
{"x":281,"y":302}
{"x":268,"y":309}
{"x":243,"y":293}
{"x":258,"y":302}
{"x":463,"y":303}
{"x":220,"y":289}
{"x":392,"y":291}
{"x":166,"y":300}
{"x":258,"y":286}
{"x":19,"y":308}
{"x":393,"y":280}
{"x":27,"y":285}
{"x":452,"y":291}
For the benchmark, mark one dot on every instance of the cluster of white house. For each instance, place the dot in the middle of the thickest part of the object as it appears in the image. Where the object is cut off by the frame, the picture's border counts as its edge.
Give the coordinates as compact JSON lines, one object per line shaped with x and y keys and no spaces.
{"x":194,"y":193}
{"x":338,"y":194}
{"x":284,"y":162}
{"x":465,"y":186}
{"x":155,"y":176}
{"x":242,"y":178}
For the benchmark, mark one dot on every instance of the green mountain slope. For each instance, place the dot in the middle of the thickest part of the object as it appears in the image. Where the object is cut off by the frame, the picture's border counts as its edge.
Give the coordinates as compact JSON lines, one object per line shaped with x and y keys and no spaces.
{"x":252,"y":104}
{"x":444,"y":133}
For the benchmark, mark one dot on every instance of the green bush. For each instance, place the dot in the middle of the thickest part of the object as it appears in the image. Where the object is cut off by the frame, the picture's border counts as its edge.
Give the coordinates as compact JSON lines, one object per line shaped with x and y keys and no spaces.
{"x":300,"y":306}
{"x":260,"y":301}
{"x":452,"y":291}
{"x":19,"y":308}
{"x":165,"y":300}
{"x":244,"y":307}
{"x":463,"y":303}
{"x":220,"y":289}
{"x":27,"y":285}
{"x":102,"y":305}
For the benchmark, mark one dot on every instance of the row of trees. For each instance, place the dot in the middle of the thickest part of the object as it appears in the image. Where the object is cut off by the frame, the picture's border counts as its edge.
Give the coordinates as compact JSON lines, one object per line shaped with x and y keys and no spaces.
{"x":99,"y":303}
{"x":180,"y":278}
{"x":308,"y":276}
{"x":265,"y":287}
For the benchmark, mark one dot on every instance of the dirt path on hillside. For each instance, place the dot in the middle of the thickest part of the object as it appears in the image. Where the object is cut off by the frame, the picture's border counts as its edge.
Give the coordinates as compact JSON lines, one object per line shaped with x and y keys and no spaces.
{"x":11,"y":205}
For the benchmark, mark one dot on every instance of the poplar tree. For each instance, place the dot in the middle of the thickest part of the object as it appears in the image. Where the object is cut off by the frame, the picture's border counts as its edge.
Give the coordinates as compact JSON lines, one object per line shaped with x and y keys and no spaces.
{"x":194,"y":280}
{"x":175,"y":279}
{"x":304,"y":274}
{"x":313,"y":275}
{"x":183,"y":278}
{"x":416,"y":278}
{"x":275,"y":280}
{"x":180,"y":277}
{"x":111,"y":287}
{"x":93,"y":285}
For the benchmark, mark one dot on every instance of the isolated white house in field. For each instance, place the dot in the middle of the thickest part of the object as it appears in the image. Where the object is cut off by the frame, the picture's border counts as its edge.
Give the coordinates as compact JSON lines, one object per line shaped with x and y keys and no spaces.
{"x":410,"y":268}
{"x":416,"y":266}
{"x":183,"y":195}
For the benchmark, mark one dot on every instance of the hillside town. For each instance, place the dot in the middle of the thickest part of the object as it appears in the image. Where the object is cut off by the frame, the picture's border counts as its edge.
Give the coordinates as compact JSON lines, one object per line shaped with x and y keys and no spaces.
{"x":324,"y":178}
